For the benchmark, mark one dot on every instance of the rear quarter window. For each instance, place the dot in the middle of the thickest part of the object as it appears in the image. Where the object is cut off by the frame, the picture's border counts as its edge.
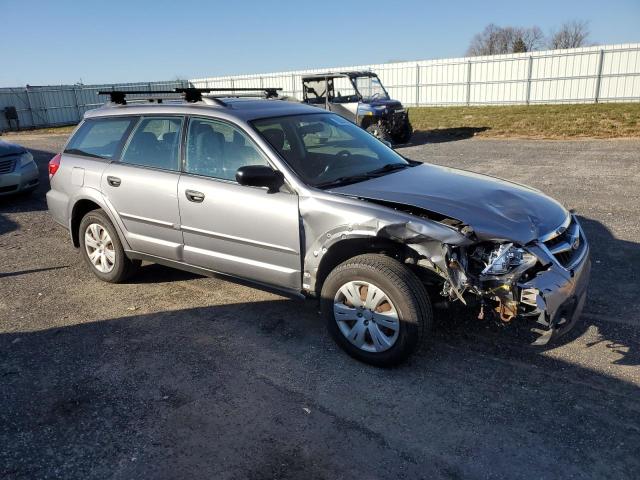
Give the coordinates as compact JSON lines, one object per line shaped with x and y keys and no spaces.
{"x":101,"y":137}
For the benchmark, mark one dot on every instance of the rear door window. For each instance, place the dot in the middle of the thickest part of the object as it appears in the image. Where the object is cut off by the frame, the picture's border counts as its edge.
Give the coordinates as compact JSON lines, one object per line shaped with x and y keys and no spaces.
{"x":155,"y":143}
{"x":100,"y":137}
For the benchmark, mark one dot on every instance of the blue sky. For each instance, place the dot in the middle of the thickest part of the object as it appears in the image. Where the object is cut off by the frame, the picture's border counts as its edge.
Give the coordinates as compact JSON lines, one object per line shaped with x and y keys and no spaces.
{"x":50,"y":42}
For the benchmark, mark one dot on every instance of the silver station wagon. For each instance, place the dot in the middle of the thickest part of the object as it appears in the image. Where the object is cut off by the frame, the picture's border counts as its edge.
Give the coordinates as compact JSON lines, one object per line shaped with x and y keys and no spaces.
{"x":300,"y":200}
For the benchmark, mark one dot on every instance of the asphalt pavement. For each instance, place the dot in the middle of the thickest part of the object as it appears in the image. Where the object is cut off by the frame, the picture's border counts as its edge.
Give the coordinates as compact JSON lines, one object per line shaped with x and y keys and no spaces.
{"x":174,"y":375}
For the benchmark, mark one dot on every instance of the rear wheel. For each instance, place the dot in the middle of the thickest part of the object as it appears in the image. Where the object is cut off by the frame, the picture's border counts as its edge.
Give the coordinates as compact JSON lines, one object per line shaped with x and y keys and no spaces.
{"x":101,"y":248}
{"x":376,"y":309}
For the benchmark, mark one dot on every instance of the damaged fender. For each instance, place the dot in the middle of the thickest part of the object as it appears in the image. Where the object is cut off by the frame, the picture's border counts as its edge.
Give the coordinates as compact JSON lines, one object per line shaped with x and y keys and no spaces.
{"x":426,"y":237}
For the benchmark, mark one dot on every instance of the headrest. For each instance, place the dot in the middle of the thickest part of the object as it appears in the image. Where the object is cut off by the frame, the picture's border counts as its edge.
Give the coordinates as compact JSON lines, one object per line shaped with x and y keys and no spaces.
{"x":275,"y":137}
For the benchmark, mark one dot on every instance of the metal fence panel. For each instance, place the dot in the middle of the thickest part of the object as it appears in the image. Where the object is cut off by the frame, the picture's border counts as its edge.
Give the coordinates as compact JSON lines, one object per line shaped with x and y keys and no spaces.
{"x":53,"y":105}
{"x":582,"y":75}
{"x":607,"y":73}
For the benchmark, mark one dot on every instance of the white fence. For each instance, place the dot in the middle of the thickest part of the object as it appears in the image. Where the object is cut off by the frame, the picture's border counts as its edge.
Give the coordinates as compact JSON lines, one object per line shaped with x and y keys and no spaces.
{"x":52,"y":105}
{"x":607,"y":73}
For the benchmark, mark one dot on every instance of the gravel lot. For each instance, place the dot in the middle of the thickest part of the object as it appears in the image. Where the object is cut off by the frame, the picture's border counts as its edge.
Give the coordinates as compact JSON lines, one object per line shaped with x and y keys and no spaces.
{"x":180,"y":376}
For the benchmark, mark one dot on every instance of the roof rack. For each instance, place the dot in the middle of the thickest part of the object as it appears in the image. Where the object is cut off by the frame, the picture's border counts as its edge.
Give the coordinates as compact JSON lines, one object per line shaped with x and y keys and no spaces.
{"x":191,"y":94}
{"x":119,"y":96}
{"x":329,"y":75}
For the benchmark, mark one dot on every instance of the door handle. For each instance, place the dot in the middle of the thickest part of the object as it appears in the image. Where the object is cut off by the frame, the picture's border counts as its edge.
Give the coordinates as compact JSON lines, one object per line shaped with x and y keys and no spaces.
{"x":113,"y":181}
{"x":194,"y":196}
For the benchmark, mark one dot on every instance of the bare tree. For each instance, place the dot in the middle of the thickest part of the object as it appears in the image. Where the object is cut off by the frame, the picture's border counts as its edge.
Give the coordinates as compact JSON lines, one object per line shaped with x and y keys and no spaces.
{"x":532,"y":37}
{"x":572,"y":34}
{"x":495,"y":40}
{"x":487,"y":42}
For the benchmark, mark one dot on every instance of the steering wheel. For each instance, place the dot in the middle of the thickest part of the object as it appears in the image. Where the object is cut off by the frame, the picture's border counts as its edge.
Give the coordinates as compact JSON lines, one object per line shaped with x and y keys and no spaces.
{"x":342,"y":155}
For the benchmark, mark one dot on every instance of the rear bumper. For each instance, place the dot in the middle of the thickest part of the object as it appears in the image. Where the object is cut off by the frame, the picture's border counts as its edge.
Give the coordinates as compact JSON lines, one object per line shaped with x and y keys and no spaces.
{"x":19,"y":180}
{"x":560,"y":295}
{"x":57,"y":203}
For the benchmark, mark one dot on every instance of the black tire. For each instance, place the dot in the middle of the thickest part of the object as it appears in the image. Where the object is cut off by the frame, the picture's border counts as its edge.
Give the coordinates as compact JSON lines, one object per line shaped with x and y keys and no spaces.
{"x":405,"y":134}
{"x":401,"y":286}
{"x":123,"y":267}
{"x":379,"y":131}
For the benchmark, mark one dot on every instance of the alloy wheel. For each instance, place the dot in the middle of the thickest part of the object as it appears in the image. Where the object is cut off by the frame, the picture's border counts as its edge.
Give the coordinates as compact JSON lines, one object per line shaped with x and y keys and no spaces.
{"x":99,"y":247}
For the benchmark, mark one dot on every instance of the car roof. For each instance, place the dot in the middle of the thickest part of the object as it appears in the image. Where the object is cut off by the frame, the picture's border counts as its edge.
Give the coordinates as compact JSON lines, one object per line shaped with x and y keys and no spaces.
{"x":233,"y":108}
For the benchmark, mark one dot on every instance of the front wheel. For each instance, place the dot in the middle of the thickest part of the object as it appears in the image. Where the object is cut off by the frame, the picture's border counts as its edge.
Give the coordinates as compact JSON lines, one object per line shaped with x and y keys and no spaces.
{"x":405,"y":134}
{"x":379,"y":131}
{"x":376,"y":309}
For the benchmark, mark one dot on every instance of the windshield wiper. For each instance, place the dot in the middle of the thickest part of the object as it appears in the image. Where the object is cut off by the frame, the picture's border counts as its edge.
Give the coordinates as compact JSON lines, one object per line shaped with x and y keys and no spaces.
{"x":76,"y":151}
{"x":338,"y":182}
{"x":389,"y":167}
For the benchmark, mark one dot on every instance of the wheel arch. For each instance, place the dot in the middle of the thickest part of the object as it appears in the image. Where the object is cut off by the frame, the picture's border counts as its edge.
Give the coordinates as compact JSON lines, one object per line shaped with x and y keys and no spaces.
{"x":83,"y":205}
{"x":367,"y":120}
{"x":343,"y":250}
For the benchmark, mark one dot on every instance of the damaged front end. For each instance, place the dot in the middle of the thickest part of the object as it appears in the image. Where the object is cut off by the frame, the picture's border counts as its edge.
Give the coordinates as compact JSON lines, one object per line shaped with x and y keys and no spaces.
{"x":543,"y":281}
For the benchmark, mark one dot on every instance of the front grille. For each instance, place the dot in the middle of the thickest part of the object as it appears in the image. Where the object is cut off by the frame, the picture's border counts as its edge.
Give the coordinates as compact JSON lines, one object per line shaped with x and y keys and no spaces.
{"x":7,"y":166}
{"x":567,"y":246}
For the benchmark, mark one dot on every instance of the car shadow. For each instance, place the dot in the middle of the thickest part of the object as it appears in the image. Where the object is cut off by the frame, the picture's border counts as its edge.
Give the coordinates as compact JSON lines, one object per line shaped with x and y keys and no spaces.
{"x":156,"y":273}
{"x":34,"y":201}
{"x":442,"y":135}
{"x":7,"y":225}
{"x":187,"y":393}
{"x":612,"y":307}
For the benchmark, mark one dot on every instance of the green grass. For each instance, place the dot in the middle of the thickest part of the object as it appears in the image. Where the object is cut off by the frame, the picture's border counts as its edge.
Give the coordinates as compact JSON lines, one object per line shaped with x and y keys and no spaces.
{"x":605,"y":120}
{"x":610,"y":120}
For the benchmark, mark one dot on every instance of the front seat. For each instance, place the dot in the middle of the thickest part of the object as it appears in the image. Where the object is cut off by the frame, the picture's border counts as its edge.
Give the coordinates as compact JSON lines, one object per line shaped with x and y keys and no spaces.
{"x":143,"y":150}
{"x":208,"y":153}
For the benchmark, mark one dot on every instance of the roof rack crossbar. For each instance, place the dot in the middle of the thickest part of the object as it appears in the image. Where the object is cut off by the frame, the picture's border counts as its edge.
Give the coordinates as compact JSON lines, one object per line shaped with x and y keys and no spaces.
{"x":119,"y":96}
{"x":267,"y":92}
{"x":191,"y":94}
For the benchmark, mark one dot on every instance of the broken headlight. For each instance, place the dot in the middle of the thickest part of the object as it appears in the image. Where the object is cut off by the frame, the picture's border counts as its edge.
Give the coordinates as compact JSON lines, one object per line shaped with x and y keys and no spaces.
{"x":506,"y":257}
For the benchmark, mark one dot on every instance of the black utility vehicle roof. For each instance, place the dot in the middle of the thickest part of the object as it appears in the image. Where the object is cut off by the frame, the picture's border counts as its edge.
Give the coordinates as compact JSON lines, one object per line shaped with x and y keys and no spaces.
{"x":352,"y":74}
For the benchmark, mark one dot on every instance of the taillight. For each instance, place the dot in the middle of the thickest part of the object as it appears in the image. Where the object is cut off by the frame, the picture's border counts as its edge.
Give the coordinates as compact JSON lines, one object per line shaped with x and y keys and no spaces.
{"x":54,"y":165}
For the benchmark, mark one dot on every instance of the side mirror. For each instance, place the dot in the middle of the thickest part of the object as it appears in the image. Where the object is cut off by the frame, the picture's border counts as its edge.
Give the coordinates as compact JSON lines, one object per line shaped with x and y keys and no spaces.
{"x":259,"y":176}
{"x":387,"y":143}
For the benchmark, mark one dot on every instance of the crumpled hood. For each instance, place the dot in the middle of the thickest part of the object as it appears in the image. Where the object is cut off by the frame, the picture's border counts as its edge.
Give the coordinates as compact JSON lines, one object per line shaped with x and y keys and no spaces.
{"x":496,"y":209}
{"x":10,"y":149}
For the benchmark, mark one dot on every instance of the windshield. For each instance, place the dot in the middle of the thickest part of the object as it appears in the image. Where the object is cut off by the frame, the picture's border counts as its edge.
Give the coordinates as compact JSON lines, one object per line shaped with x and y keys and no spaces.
{"x":326,"y":150}
{"x":370,"y":88}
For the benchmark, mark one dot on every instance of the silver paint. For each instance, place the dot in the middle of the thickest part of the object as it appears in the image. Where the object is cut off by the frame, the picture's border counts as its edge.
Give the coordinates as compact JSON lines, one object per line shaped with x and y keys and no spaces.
{"x":281,"y":239}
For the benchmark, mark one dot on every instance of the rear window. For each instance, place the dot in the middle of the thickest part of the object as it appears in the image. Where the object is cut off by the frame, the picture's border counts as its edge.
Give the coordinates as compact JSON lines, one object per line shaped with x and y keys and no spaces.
{"x":100,"y":138}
